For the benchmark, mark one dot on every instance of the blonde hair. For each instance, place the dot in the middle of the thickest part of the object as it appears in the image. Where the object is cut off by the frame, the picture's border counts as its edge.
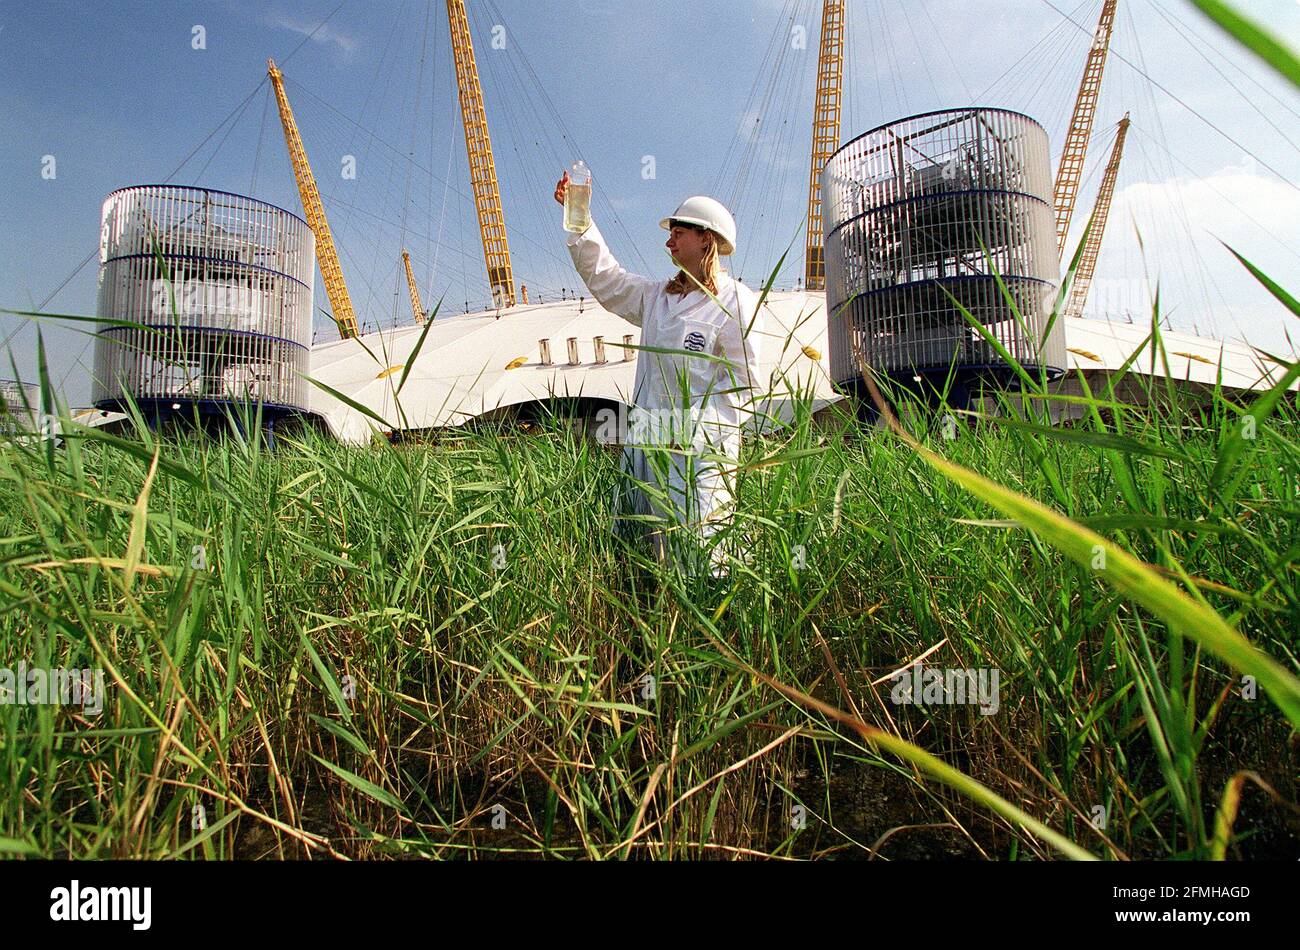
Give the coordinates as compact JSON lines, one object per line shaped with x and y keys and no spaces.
{"x":683,"y":283}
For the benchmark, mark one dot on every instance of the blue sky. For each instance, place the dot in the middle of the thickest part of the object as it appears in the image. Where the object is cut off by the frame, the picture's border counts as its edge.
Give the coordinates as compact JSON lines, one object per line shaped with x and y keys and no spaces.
{"x":118,"y":95}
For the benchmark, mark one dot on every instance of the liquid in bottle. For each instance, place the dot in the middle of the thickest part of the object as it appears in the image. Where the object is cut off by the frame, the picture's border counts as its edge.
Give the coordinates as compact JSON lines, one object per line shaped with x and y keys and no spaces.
{"x":577,"y":199}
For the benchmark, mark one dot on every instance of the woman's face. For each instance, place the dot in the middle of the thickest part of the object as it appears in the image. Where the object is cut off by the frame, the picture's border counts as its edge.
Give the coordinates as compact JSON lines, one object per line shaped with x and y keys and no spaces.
{"x":686,"y":244}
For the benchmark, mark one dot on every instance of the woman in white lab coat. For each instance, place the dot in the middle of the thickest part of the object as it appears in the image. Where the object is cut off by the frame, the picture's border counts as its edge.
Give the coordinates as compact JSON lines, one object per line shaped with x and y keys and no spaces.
{"x":695,"y":391}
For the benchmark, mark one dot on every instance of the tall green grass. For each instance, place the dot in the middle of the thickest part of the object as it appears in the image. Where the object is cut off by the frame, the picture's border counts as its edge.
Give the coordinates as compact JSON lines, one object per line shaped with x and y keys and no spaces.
{"x":441,"y":651}
{"x":361,"y":671}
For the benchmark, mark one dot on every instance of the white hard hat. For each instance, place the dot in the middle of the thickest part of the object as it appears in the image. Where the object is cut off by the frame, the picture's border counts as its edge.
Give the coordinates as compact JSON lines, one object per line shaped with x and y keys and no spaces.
{"x":706,"y":212}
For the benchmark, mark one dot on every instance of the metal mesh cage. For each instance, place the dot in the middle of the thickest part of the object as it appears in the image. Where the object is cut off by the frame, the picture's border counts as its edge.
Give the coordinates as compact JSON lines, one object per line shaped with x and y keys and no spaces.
{"x":20,"y":405}
{"x":16,"y":396}
{"x":932,"y":206}
{"x":218,"y":291}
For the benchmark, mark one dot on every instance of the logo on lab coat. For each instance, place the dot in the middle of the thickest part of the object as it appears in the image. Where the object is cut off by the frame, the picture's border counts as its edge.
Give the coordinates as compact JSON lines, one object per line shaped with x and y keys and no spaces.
{"x":694,"y":341}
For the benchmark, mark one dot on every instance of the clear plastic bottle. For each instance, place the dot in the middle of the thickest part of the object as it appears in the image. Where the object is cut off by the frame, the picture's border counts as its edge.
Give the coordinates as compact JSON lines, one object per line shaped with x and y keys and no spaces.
{"x":577,"y":199}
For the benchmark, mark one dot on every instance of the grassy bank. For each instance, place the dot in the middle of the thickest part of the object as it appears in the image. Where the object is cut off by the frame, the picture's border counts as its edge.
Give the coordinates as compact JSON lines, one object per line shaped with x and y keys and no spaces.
{"x":440,"y":650}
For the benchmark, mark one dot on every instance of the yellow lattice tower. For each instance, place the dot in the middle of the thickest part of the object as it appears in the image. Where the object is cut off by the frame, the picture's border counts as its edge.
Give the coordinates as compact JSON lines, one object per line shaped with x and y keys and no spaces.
{"x":326,"y":255}
{"x":482,"y":169}
{"x":1070,"y":172}
{"x":826,"y":134}
{"x":1092,"y":247}
{"x":415,"y":291}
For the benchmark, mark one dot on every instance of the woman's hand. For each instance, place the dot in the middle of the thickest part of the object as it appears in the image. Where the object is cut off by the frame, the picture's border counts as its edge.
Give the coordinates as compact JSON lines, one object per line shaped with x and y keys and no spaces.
{"x":561,"y":188}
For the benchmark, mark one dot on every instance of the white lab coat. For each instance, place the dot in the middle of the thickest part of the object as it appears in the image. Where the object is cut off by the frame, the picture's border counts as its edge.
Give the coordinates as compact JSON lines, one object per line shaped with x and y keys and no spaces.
{"x":684,"y":447}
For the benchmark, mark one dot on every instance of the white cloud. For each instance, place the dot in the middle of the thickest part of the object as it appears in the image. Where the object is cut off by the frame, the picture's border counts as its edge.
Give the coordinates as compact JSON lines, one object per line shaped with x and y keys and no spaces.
{"x":1235,"y":201}
{"x":1181,"y":221}
{"x":325,"y":35}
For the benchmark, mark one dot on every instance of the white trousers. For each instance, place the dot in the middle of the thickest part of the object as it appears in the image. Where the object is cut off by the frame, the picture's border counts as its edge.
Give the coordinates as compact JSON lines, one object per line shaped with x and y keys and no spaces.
{"x":693,"y":495}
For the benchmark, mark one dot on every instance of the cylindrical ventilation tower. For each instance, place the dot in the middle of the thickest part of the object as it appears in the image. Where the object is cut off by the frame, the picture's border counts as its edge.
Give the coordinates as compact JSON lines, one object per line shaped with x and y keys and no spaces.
{"x":218,"y":291}
{"x":20,"y":406}
{"x":931,"y":208}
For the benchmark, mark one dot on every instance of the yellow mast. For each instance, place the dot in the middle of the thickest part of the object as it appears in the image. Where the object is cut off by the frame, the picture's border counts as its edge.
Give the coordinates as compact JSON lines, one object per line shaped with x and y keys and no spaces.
{"x":415,"y":292}
{"x":1070,"y":172}
{"x":326,"y":256}
{"x":1088,"y":262}
{"x":482,"y":169}
{"x":826,"y":134}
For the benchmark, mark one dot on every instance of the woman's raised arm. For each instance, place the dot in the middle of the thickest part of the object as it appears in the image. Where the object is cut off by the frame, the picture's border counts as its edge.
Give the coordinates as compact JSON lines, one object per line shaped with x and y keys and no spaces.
{"x":609,"y":282}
